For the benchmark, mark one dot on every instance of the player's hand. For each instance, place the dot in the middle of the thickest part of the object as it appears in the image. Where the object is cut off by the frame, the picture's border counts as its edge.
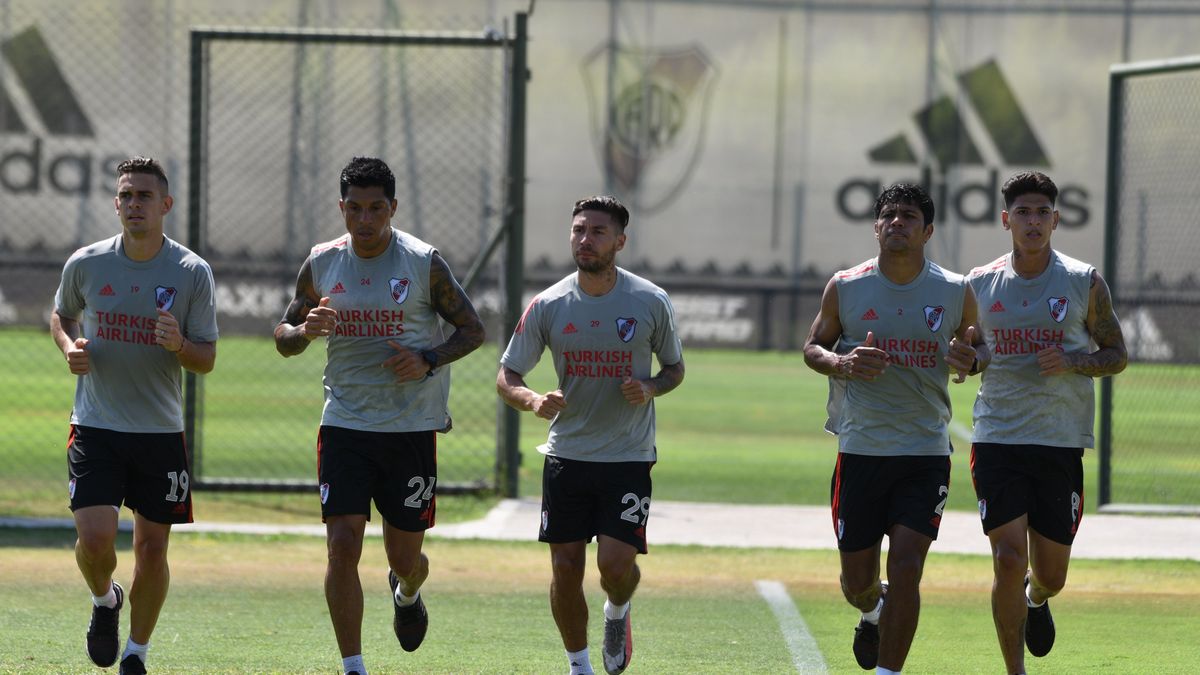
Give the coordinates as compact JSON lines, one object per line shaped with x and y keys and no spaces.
{"x":77,"y":357}
{"x":1053,"y":361}
{"x":961,"y":355}
{"x":321,"y":320}
{"x":636,"y":392}
{"x":406,"y":364}
{"x":864,"y":362}
{"x":549,"y":405}
{"x":166,"y":332}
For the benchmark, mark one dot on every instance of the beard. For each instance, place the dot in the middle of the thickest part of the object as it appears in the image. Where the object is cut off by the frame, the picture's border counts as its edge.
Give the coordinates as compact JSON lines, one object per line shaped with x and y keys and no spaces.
{"x":598,"y":263}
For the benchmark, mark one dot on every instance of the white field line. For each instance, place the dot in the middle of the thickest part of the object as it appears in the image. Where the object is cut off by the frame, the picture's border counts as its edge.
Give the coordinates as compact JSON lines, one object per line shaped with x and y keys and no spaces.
{"x":961,"y":432}
{"x":800,"y":643}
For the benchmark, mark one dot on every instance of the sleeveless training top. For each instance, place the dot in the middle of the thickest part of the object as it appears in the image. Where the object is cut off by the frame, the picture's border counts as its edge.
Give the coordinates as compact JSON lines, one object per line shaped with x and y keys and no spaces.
{"x":1019,"y":317}
{"x":134,"y":384}
{"x":596,"y":343}
{"x":906,"y":410}
{"x":379,"y":299}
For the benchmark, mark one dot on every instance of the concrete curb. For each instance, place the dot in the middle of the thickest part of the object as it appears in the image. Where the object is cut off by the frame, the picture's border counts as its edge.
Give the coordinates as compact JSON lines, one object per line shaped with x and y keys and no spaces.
{"x":1101,"y":536}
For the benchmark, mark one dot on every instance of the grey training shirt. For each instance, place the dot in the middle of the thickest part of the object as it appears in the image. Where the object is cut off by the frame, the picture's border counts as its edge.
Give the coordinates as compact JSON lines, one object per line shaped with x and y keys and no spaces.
{"x":134,"y":384}
{"x":597,"y":342}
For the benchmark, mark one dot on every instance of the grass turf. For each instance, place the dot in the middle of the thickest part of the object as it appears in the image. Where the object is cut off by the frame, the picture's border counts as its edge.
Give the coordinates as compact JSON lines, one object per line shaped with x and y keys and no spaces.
{"x":241,"y":604}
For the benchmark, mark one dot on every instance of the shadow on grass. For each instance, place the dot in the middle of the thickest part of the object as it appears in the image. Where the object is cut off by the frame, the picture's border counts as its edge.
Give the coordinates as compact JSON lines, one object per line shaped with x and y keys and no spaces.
{"x":55,"y":537}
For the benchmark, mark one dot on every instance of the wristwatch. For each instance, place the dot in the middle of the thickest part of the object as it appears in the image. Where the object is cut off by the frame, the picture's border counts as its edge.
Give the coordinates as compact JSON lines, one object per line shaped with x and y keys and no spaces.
{"x":431,"y":358}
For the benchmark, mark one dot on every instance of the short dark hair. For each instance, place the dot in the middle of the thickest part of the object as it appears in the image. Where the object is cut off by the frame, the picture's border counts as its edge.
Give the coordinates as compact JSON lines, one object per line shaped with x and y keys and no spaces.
{"x":368,"y":172}
{"x":1028,"y":182}
{"x":605,"y":203}
{"x":906,"y":193}
{"x":146,"y":165}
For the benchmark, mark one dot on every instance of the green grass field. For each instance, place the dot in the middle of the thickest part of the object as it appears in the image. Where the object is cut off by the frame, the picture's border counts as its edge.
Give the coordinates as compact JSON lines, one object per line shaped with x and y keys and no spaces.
{"x":744,"y":428}
{"x":242,"y":604}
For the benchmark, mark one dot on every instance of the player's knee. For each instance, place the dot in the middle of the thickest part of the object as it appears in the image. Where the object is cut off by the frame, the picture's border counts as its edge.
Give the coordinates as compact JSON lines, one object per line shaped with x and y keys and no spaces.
{"x":1009,"y":562}
{"x":904,"y":569}
{"x":94,"y":544}
{"x":1051,"y":583}
{"x":410,"y":566}
{"x":617,"y":571}
{"x":863,"y":597}
{"x":150,"y":550}
{"x":344,"y":547}
{"x":567,"y":567}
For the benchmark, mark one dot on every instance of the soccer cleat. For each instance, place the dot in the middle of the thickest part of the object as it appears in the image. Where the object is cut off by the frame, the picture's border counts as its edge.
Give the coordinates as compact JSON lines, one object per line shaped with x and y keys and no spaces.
{"x":132,"y":665}
{"x":103,"y":643}
{"x":1039,"y":627}
{"x":866,"y":638}
{"x":618,"y":643}
{"x":411,"y":622}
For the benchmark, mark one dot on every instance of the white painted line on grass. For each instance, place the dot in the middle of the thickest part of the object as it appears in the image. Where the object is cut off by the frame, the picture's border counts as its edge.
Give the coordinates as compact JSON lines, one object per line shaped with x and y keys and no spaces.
{"x":960,"y":431}
{"x":805,"y":654}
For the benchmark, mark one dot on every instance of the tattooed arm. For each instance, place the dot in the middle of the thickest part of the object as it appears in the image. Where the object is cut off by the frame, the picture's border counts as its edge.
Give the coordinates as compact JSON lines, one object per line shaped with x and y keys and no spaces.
{"x":452,"y":304}
{"x":306,"y":317}
{"x":638,"y":392}
{"x":1105,"y":329}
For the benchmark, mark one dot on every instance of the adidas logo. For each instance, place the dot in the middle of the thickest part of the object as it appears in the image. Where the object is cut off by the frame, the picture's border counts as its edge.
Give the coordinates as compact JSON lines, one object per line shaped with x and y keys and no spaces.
{"x":52,"y":99}
{"x":947,"y":137}
{"x":979,"y":128}
{"x":107,"y":290}
{"x":339,"y":288}
{"x":570,"y":329}
{"x":997,"y":307}
{"x":48,"y":138}
{"x":870,"y":315}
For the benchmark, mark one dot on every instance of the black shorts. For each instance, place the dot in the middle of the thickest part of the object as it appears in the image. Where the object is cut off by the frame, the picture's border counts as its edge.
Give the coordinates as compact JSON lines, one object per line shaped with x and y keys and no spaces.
{"x":583,"y":499}
{"x":870,"y":494}
{"x":397,"y":470}
{"x":1042,"y":481}
{"x":149,"y":473}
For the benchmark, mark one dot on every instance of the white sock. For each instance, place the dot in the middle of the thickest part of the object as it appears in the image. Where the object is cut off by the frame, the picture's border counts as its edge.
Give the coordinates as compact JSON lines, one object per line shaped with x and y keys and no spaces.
{"x":352,"y":664}
{"x":108,"y":600}
{"x":884,"y":671}
{"x":403,"y":600}
{"x":579,"y":662}
{"x":132,"y":647}
{"x":873,"y":615}
{"x":612,"y":611}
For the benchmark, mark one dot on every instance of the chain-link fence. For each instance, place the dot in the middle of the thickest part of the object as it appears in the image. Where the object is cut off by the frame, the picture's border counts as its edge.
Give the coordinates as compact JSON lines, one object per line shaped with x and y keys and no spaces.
{"x":1148,"y":429}
{"x":272,"y":142}
{"x":85,"y":85}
